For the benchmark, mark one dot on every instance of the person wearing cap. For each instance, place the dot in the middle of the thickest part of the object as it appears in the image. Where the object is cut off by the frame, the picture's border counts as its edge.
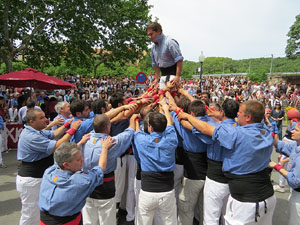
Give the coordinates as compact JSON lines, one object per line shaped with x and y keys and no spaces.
{"x":247,"y":150}
{"x":65,"y":187}
{"x":13,"y":112}
{"x":167,"y":59}
{"x":35,"y":151}
{"x":292,"y":173}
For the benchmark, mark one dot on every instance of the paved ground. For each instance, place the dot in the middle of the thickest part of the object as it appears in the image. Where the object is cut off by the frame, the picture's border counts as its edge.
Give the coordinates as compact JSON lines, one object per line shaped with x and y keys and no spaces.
{"x":10,"y":205}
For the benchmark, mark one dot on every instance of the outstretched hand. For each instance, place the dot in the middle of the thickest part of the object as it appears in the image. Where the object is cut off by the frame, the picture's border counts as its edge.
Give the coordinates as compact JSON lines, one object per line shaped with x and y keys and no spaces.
{"x":108,"y":142}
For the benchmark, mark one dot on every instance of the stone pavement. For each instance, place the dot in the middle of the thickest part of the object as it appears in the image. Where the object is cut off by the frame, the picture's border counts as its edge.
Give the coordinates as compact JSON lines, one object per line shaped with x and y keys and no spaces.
{"x":10,"y":204}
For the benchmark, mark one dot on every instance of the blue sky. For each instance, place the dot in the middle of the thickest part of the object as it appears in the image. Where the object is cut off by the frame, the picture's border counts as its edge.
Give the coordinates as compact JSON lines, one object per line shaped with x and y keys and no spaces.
{"x":237,"y":29}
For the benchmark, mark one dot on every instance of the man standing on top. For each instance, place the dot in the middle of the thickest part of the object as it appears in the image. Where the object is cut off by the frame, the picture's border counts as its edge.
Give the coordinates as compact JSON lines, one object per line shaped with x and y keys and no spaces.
{"x":166,"y":55}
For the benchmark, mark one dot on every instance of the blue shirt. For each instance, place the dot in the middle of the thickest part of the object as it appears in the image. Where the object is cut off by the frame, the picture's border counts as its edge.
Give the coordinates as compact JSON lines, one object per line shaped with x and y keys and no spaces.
{"x":85,"y":127}
{"x":34,"y":145}
{"x":117,"y":128}
{"x":166,"y":53}
{"x":61,"y":117}
{"x":214,"y":150}
{"x":292,"y":150}
{"x":190,"y":142}
{"x":248,"y":148}
{"x":63,"y":193}
{"x":1,"y":124}
{"x":156,"y":151}
{"x":91,"y":151}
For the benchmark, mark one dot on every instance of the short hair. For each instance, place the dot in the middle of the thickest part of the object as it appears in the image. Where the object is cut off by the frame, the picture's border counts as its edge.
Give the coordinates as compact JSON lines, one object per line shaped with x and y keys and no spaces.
{"x":30,"y":103}
{"x":115,"y":99}
{"x":206,"y":93}
{"x":100,"y":123}
{"x":198,"y":108}
{"x":31,"y":115}
{"x":58,"y":106}
{"x":230,"y":108}
{"x":256,"y":109}
{"x":98,"y":105}
{"x":184,"y":103}
{"x":155,"y":26}
{"x":65,"y":153}
{"x":158,"y":121}
{"x":77,"y":106}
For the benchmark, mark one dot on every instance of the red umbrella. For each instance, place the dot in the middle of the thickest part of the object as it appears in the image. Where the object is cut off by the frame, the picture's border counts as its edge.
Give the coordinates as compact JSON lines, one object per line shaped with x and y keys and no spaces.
{"x":31,"y":78}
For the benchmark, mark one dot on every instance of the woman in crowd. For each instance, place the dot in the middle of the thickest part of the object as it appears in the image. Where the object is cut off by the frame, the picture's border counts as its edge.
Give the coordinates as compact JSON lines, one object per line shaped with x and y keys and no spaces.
{"x":277,"y":114}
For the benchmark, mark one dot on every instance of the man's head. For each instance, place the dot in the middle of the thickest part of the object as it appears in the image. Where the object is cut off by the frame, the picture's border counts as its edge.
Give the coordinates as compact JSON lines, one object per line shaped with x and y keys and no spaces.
{"x":153,"y":29}
{"x":63,"y":108}
{"x":184,"y":103}
{"x":197,"y":108}
{"x":251,"y":112}
{"x":117,"y":100}
{"x":99,"y":106}
{"x":157,"y":122}
{"x":68,"y":157}
{"x":102,"y":124}
{"x":230,"y":108}
{"x":30,"y":104}
{"x":205,"y":96}
{"x":80,"y":109}
{"x":36,"y":119}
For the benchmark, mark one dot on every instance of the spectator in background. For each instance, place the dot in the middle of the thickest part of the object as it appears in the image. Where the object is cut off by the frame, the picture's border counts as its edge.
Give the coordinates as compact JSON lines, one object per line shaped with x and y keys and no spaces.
{"x":2,"y":126}
{"x":277,"y":114}
{"x":68,"y":96}
{"x":13,"y":112}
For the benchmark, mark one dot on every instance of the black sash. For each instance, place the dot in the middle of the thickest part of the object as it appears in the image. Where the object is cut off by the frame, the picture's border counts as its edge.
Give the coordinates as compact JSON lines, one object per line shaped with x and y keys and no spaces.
{"x":35,"y":169}
{"x":214,"y":171}
{"x":106,"y":190}
{"x":157,"y":181}
{"x":254,"y":187}
{"x":48,"y":219}
{"x":169,"y":70}
{"x":195,"y":165}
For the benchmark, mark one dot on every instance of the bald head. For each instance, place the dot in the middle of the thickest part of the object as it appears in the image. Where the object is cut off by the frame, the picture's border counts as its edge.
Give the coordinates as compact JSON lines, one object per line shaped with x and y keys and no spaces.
{"x":101,"y":123}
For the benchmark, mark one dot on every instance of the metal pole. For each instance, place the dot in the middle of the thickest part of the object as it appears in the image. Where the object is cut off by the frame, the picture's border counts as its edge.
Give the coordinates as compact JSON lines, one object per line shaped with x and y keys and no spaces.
{"x":271,"y":68}
{"x":200,"y":85}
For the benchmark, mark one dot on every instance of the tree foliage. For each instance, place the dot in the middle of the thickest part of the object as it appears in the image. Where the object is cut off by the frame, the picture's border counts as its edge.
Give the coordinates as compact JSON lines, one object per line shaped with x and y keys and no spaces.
{"x":292,"y":49}
{"x":44,"y":31}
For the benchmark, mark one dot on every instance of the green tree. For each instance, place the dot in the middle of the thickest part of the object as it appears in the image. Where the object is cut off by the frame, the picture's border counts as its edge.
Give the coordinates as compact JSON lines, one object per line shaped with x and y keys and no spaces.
{"x":293,"y":43}
{"x":44,"y":31}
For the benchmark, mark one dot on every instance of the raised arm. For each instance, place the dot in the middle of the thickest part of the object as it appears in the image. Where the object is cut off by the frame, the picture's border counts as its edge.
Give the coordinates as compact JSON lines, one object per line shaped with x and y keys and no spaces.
{"x":200,"y":125}
{"x":106,"y":144}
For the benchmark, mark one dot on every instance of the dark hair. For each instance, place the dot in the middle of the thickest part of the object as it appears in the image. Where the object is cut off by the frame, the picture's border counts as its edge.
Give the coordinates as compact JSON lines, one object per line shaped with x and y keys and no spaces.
{"x":197,"y":107}
{"x":100,"y":123}
{"x":77,"y":106}
{"x":184,"y":103}
{"x":30,"y":103}
{"x":158,"y":121}
{"x":277,"y":103}
{"x":230,"y":108}
{"x":256,"y":109}
{"x":206,"y":93}
{"x":115,"y":99}
{"x":98,"y":105}
{"x":154,"y":26}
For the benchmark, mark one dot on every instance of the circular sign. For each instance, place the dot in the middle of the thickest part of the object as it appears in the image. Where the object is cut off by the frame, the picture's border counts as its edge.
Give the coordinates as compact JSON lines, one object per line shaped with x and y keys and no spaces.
{"x":141,"y":78}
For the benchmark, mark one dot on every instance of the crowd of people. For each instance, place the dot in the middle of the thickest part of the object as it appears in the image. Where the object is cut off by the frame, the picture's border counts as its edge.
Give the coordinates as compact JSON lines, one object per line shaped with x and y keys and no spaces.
{"x":170,"y":152}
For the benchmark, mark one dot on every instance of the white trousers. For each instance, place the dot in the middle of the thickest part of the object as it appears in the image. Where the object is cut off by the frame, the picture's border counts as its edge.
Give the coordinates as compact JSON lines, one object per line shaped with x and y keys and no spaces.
{"x":137,"y":188}
{"x":282,"y":178}
{"x":243,"y":213}
{"x":178,"y":175}
{"x":120,"y":176}
{"x":130,"y":196}
{"x":99,"y":211}
{"x":190,"y":194}
{"x":1,"y":148}
{"x":3,"y":139}
{"x":215,"y":196}
{"x":29,"y":189}
{"x":163,"y":79}
{"x":149,"y":202}
{"x":294,"y":208}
